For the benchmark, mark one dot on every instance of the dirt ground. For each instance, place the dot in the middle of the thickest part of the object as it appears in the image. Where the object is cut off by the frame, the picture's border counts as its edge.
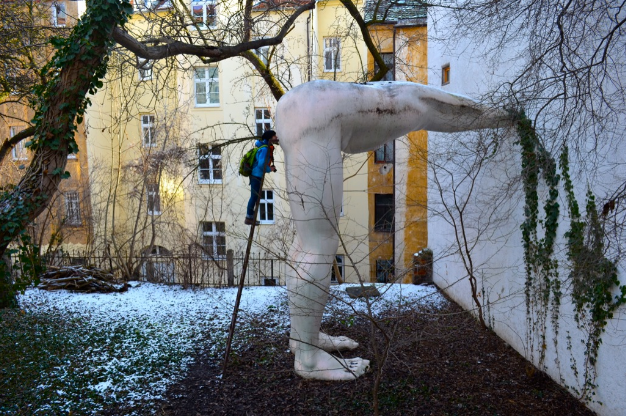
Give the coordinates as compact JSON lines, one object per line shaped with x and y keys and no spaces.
{"x":441,"y":362}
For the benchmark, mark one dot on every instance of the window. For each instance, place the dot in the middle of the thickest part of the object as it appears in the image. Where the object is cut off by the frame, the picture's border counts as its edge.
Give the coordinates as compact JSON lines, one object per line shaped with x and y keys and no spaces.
{"x":333,"y":275}
{"x":383,"y":212}
{"x":388,"y":59}
{"x":445,"y":74}
{"x":266,"y":207}
{"x":341,"y":213}
{"x":207,"y":87}
{"x":157,"y":266}
{"x":332,"y":54}
{"x":147,"y":130}
{"x":384,"y":271}
{"x":153,"y":198}
{"x":209,"y":164}
{"x":147,"y":4}
{"x":59,"y":15}
{"x":18,"y":151}
{"x":72,"y":208}
{"x":204,"y":12}
{"x":145,"y":68}
{"x":214,"y":239}
{"x":384,"y":154}
{"x":263,"y":53}
{"x":262,"y":120}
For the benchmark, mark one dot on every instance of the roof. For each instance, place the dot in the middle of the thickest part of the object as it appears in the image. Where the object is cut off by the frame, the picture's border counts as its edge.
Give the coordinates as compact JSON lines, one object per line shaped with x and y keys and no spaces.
{"x":395,"y":10}
{"x":263,"y":5}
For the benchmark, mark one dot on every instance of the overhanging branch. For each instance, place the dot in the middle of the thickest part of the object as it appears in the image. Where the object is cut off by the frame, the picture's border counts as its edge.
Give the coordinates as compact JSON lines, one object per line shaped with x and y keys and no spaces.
{"x":215,"y":53}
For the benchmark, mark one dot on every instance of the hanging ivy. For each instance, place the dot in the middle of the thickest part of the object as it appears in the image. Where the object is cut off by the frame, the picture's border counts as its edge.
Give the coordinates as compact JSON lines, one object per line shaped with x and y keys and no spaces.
{"x":592,"y":276}
{"x":542,"y":279}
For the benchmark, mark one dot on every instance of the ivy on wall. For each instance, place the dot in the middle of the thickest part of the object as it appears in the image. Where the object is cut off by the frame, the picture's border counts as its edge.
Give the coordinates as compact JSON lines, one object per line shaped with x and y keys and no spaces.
{"x":596,"y":291}
{"x":543,"y":287}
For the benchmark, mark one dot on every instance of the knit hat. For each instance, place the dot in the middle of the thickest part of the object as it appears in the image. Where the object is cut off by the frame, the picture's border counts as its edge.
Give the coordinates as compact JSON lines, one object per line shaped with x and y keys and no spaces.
{"x":267,"y":135}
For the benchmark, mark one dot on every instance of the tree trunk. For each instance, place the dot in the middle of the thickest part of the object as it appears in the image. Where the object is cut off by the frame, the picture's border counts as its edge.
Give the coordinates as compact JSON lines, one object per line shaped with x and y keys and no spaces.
{"x":54,"y":126}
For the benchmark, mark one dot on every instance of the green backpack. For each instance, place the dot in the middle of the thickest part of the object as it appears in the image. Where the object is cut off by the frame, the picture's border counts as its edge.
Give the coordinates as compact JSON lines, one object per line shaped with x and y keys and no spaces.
{"x":247,"y":161}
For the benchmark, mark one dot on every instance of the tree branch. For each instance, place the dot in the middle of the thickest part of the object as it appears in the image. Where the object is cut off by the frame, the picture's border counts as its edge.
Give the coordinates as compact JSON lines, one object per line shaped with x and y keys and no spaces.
{"x":216,"y":53}
{"x":269,"y":78}
{"x":9,"y":143}
{"x":354,"y":12}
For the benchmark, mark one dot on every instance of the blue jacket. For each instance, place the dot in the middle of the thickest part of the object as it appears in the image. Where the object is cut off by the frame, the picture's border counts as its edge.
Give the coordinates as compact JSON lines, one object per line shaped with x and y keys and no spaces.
{"x":257,"y":169}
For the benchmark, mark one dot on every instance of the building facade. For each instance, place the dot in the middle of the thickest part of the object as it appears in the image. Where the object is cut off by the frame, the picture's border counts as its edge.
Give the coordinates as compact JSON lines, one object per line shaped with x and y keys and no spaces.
{"x":397,"y":199}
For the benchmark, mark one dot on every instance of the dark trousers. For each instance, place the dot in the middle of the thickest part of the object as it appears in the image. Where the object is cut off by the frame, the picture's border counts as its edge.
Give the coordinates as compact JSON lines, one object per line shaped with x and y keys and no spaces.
{"x":255,"y":193}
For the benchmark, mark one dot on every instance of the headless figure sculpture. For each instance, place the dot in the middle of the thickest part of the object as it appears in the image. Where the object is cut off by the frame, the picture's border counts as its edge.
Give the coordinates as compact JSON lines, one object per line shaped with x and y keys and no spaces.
{"x":315,"y":122}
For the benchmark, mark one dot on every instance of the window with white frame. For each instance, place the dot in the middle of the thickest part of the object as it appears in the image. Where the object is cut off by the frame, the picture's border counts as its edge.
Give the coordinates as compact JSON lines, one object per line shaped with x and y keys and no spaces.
{"x":72,"y":208}
{"x":147,"y":4}
{"x":266,"y":207}
{"x":19,"y":151}
{"x":209,"y":164}
{"x":147,"y":130}
{"x":207,"y":88}
{"x":263,"y":53}
{"x":332,"y":54}
{"x":384,"y":154}
{"x":153,"y":199}
{"x":333,"y":273}
{"x":262,"y":120}
{"x":213,"y":239}
{"x":59,"y":14}
{"x":204,"y":13}
{"x":145,"y":68}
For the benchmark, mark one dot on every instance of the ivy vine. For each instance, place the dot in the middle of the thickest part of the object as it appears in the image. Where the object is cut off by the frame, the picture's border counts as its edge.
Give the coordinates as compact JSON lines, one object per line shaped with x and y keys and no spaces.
{"x":86,"y":42}
{"x":596,"y":290}
{"x":542,"y":278}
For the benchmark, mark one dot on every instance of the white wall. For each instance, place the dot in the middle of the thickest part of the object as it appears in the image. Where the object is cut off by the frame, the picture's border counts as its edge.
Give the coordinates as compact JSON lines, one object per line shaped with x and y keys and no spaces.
{"x":493,"y":217}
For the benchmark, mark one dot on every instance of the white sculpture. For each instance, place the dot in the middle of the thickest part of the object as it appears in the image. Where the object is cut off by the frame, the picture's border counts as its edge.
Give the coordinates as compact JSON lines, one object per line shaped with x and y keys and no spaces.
{"x":315,"y":122}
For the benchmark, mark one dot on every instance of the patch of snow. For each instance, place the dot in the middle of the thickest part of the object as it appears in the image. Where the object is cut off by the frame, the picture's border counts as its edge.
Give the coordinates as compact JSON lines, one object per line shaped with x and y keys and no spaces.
{"x":135,"y":344}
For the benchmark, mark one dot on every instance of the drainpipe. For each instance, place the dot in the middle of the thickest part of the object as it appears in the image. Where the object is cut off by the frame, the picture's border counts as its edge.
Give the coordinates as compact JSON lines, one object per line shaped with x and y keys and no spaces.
{"x":393,"y":172}
{"x":308,"y":45}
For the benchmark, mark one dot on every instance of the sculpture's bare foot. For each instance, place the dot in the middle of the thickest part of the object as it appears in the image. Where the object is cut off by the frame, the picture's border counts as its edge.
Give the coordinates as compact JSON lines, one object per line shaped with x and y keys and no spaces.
{"x":329,"y":343}
{"x":320,"y":365}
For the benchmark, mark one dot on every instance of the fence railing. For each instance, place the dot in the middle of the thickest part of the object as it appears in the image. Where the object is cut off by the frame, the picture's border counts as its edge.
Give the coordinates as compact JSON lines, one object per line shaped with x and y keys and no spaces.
{"x":185,"y":269}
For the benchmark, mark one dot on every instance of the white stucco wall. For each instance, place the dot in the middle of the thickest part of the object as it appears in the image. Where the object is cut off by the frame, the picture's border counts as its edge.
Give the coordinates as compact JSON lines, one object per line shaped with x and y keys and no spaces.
{"x":493,"y":216}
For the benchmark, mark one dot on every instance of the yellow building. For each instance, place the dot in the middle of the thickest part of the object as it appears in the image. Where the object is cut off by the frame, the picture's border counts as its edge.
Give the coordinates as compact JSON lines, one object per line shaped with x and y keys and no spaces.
{"x":397,"y":172}
{"x":158,"y":172}
{"x":165,"y":141}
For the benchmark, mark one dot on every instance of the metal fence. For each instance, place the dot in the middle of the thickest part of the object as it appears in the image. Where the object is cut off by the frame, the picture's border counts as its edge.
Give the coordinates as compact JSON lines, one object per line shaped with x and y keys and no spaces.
{"x":187,"y":269}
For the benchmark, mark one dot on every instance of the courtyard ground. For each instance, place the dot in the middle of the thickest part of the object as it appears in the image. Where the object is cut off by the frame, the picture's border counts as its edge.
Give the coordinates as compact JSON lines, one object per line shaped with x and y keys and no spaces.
{"x":157,"y":350}
{"x":441,"y":362}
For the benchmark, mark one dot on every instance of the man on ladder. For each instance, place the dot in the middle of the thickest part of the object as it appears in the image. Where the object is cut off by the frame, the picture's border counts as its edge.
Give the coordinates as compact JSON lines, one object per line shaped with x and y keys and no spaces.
{"x":263,"y":163}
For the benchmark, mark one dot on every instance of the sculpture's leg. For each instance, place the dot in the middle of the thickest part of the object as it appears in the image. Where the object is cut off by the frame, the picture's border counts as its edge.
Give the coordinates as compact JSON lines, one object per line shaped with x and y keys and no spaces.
{"x":326,"y":342}
{"x":315,"y":184}
{"x":308,"y":298}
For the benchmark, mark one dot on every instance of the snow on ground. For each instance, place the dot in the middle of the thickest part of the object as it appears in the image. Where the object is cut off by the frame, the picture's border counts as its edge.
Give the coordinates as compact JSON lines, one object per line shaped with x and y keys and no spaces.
{"x":129,"y":347}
